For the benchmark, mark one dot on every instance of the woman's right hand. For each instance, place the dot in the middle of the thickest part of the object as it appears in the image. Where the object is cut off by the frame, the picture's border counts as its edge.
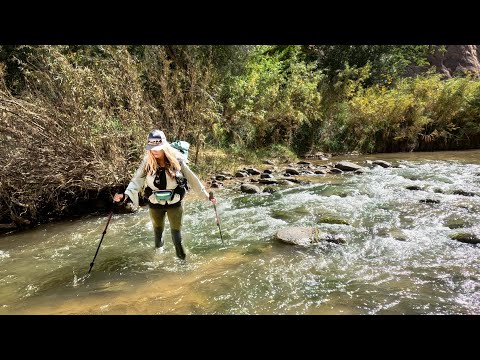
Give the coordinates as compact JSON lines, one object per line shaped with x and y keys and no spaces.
{"x":118,"y":197}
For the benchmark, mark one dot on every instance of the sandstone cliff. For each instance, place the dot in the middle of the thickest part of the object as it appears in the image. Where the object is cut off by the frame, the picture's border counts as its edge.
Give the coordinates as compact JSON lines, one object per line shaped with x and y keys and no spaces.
{"x":458,"y":59}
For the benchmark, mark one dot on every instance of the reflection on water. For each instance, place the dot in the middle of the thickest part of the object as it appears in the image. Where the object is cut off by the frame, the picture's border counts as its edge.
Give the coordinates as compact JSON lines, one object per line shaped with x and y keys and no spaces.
{"x":399,"y":257}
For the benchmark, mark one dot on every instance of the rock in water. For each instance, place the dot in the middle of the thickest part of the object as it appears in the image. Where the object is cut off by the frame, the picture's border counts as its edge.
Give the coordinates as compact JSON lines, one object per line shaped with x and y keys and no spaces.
{"x":296,"y":235}
{"x":305,"y":236}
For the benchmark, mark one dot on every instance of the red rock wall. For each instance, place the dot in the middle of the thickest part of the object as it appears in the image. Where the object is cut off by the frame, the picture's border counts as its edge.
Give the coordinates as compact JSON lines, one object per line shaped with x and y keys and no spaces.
{"x":457,"y":59}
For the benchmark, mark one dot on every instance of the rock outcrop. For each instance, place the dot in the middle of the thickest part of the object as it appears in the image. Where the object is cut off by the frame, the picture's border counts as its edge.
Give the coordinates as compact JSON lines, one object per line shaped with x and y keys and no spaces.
{"x":458,"y":59}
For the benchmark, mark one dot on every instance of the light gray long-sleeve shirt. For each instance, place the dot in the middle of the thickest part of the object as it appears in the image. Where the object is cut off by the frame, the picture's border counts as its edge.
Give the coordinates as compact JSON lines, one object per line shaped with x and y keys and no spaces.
{"x":140,"y":180}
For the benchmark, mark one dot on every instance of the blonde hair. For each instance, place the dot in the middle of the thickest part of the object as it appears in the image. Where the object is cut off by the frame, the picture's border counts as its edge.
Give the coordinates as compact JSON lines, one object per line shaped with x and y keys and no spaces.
{"x":172,"y":164}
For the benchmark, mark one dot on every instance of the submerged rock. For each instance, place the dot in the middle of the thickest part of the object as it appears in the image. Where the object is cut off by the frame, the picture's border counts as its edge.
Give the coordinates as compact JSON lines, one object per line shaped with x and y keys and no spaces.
{"x":454,"y":222}
{"x":269,"y":189}
{"x":332,"y":220}
{"x":429,"y":201}
{"x":305,"y":236}
{"x":466,"y":238}
{"x":249,"y":189}
{"x":394,"y":233}
{"x":464,"y":193}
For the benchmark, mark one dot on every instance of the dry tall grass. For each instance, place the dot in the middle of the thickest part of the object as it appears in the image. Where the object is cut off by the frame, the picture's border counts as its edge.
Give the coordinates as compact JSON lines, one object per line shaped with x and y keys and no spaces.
{"x":74,"y":131}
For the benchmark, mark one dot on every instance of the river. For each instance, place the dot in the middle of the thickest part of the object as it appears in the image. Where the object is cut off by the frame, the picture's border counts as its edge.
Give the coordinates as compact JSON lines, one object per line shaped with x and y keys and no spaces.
{"x":399,"y":257}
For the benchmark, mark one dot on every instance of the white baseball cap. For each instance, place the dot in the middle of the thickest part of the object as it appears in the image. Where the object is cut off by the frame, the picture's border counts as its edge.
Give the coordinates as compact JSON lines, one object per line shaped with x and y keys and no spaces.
{"x":156,"y":140}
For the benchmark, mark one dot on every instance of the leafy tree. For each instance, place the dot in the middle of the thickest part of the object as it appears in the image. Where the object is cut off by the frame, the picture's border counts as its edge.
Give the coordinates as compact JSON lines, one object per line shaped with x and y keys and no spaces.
{"x":387,"y":62}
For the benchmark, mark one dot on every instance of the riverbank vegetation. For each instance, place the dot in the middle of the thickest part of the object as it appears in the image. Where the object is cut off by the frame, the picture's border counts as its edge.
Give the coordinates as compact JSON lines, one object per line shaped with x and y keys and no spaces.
{"x":74,"y":119}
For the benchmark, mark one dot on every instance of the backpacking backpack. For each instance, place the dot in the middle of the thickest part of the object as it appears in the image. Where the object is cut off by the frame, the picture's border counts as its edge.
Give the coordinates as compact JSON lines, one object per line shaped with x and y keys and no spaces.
{"x":183,"y":147}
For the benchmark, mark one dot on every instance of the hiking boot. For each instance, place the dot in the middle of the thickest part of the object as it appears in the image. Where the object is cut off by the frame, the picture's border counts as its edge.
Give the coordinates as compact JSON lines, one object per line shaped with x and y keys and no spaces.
{"x":177,"y":241}
{"x":158,"y":237}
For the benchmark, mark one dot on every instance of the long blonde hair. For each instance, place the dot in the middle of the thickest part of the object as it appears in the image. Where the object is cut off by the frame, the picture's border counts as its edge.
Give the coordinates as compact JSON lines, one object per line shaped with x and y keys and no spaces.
{"x":172,"y":163}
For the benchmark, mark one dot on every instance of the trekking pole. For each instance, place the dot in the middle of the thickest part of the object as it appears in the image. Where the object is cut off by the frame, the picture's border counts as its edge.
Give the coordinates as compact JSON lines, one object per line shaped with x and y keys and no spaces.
{"x":103,"y":234}
{"x":216,"y":214}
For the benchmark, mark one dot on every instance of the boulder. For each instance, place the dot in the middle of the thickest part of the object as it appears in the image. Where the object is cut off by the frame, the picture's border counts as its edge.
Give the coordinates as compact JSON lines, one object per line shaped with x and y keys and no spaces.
{"x":382,"y":163}
{"x":347,"y":166}
{"x":249,"y":189}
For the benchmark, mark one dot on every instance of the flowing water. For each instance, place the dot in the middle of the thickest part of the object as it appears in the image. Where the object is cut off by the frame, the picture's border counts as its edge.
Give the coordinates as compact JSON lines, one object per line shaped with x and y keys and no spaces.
{"x":398,"y":259}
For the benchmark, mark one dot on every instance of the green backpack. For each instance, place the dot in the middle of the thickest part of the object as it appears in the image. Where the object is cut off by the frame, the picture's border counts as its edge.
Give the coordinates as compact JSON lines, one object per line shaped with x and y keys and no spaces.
{"x":183,"y":147}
